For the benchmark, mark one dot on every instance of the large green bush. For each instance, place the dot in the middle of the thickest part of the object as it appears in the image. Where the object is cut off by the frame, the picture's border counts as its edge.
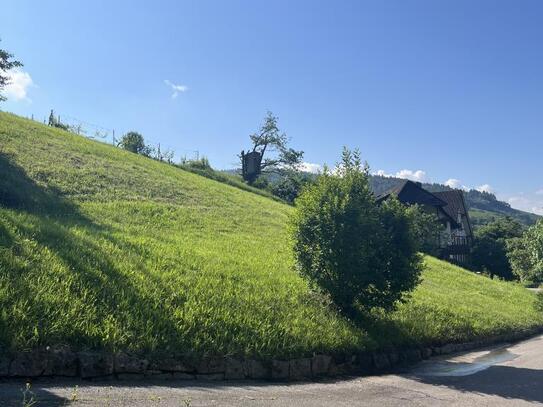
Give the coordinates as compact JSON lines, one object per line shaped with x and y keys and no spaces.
{"x":427,"y":230}
{"x":289,"y":185}
{"x":526,"y":254}
{"x":359,"y":253}
{"x":489,"y":251}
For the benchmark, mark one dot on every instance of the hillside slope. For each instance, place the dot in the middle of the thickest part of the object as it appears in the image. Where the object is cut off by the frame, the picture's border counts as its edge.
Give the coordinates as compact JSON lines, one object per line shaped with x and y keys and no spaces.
{"x":101,"y":248}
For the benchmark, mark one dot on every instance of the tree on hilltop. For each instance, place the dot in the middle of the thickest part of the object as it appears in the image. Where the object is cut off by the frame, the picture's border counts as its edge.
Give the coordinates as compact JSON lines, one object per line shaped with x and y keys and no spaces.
{"x":269,"y":151}
{"x":135,"y":143}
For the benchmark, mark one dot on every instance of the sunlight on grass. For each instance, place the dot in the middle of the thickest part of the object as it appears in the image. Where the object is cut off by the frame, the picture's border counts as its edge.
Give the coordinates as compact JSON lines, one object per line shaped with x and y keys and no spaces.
{"x":101,"y":248}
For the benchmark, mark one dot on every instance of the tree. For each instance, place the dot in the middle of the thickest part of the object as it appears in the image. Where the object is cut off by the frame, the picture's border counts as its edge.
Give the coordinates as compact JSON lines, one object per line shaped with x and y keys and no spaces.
{"x":6,"y":64}
{"x":168,"y":156}
{"x":526,"y":254}
{"x":427,"y":230}
{"x":55,"y":122}
{"x":489,"y":251}
{"x":289,"y":186}
{"x":52,"y":119}
{"x":134,"y":142}
{"x":269,"y":151}
{"x":363,"y":255}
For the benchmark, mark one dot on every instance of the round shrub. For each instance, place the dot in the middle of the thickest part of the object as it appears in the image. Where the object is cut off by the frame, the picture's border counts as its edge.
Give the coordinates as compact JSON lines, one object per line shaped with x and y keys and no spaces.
{"x":361,"y":254}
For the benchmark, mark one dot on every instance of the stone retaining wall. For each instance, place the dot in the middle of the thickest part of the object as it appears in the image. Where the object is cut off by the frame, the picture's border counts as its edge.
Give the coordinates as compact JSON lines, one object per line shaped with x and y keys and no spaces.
{"x":63,"y":362}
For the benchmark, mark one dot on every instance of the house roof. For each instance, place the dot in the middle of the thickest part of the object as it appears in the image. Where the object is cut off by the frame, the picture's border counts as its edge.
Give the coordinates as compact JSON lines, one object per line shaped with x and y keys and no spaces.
{"x":455,"y":204}
{"x":409,"y":192}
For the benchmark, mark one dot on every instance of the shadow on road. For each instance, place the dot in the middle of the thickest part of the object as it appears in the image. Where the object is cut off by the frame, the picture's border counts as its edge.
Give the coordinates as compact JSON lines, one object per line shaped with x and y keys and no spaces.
{"x":503,"y":381}
{"x":13,"y":395}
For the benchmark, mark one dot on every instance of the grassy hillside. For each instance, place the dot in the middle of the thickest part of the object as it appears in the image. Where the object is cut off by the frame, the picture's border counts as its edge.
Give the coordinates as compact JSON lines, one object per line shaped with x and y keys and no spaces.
{"x":101,"y":248}
{"x":453,"y":304}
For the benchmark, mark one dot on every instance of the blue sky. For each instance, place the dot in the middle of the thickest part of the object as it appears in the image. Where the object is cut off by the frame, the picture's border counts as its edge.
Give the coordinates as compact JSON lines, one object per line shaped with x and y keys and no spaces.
{"x":432,"y":90}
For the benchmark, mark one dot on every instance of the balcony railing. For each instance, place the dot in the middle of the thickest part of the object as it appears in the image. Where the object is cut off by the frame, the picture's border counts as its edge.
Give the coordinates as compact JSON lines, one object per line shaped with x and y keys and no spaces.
{"x":457,"y":245}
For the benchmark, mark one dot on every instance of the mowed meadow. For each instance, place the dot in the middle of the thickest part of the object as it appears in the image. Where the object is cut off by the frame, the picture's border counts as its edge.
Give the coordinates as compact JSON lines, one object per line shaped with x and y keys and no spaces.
{"x":101,"y":248}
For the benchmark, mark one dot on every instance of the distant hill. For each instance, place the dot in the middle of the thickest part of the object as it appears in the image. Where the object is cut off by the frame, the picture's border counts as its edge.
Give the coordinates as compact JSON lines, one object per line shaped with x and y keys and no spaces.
{"x":483,"y":206}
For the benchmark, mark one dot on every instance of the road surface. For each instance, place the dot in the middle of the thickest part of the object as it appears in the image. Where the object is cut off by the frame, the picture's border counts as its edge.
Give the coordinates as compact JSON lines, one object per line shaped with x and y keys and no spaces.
{"x":507,"y":375}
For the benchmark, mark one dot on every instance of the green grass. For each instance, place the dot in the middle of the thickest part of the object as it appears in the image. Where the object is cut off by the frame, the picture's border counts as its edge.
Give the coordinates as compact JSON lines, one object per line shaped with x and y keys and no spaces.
{"x":101,"y":248}
{"x":455,"y":305}
{"x":229,"y":179}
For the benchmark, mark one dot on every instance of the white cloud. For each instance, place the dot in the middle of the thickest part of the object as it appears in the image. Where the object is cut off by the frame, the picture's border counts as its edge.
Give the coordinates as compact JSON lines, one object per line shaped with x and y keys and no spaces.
{"x":418,"y":175}
{"x":485,"y":188}
{"x":453,"y":183}
{"x":313,"y":168}
{"x":525,"y":203}
{"x":177,"y":89}
{"x":540,"y":192}
{"x":17,"y":87}
{"x":456,"y":184}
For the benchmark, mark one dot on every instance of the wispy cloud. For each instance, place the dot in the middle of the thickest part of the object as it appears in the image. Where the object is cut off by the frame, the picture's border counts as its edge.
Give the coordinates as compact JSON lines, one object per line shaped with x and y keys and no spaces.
{"x":19,"y":83}
{"x":539,"y":192}
{"x":177,"y":89}
{"x":417,"y":175}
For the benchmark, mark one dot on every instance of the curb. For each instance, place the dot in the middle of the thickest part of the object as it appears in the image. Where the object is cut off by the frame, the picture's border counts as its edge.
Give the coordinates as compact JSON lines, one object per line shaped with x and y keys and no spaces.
{"x":63,"y":362}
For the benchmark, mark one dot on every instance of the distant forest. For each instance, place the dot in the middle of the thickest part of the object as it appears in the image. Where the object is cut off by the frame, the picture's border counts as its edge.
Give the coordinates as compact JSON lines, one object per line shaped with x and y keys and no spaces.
{"x":483,"y":207}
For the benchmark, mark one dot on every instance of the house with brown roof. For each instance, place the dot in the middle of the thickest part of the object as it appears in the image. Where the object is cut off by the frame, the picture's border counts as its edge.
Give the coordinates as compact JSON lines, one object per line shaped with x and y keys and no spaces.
{"x":450,"y":209}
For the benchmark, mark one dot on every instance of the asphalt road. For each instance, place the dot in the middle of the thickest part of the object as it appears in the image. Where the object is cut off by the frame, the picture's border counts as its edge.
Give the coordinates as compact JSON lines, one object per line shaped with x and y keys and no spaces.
{"x":508,"y":375}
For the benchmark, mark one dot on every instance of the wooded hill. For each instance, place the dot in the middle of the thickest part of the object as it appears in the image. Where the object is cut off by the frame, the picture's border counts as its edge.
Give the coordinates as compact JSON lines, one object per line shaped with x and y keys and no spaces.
{"x":483,"y":206}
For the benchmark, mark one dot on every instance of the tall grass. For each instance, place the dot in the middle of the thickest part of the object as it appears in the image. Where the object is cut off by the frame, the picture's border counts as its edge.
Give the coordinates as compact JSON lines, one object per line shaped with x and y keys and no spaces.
{"x":101,"y":248}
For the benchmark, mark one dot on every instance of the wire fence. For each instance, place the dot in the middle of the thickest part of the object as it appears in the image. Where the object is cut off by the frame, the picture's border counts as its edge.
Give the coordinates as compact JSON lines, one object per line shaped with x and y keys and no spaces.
{"x":80,"y":127}
{"x":89,"y":130}
{"x":84,"y":128}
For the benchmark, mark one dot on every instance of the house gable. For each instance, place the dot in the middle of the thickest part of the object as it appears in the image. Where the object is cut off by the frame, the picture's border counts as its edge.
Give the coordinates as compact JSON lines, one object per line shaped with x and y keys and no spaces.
{"x":411,"y":193}
{"x":456,"y":208}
